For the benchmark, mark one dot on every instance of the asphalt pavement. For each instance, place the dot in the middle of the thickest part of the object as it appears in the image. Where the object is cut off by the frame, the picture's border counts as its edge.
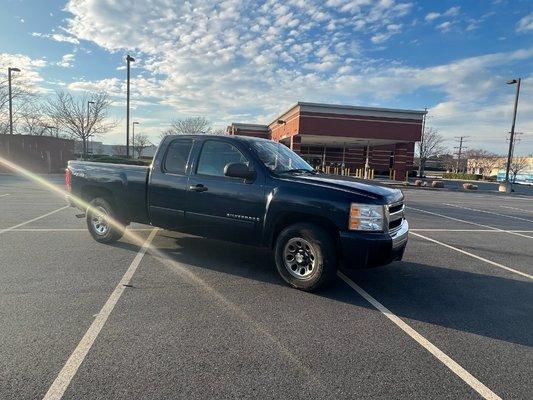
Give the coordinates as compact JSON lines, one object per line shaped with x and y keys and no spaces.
{"x":200,"y":318}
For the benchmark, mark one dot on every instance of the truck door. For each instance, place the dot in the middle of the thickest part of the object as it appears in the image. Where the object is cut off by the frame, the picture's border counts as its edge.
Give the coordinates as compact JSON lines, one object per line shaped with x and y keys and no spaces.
{"x":168,"y":186}
{"x":220,"y":206}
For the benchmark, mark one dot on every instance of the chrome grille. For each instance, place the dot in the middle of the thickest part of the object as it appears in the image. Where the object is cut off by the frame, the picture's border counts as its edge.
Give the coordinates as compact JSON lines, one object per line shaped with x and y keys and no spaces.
{"x":395,"y":216}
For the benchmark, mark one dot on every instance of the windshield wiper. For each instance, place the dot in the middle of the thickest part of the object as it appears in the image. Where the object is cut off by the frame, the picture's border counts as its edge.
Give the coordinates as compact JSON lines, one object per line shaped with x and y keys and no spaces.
{"x":300,"y":170}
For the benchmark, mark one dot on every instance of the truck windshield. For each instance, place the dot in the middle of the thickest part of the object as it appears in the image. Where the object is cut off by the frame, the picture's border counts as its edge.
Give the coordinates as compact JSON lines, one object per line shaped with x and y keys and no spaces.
{"x":279,"y":158}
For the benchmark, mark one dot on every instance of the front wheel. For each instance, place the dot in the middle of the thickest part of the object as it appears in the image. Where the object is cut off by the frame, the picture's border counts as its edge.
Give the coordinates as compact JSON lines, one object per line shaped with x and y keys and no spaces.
{"x":98,"y":224}
{"x":305,"y":256}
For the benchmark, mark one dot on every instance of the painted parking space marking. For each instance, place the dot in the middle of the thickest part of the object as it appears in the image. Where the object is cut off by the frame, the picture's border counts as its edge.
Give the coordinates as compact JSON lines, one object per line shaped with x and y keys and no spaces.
{"x":4,"y":195}
{"x":462,"y":373}
{"x":70,"y":229}
{"x":32,"y":220}
{"x":70,"y":368}
{"x":488,"y":212}
{"x":469,"y":222}
{"x":517,"y":209}
{"x":474,"y":256}
{"x":467,"y":230}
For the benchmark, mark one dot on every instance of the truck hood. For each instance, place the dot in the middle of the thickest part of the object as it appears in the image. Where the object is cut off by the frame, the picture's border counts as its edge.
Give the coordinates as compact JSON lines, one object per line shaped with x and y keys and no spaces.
{"x":349,"y":184}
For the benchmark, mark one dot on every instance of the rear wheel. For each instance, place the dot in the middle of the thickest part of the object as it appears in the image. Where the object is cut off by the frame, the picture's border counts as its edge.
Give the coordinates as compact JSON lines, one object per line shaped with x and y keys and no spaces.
{"x":98,"y":224}
{"x":305,"y":256}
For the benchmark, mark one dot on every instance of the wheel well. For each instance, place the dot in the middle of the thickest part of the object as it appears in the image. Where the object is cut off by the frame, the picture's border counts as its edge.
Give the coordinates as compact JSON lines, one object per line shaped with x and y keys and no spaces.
{"x":294,"y":218}
{"x":89,"y":193}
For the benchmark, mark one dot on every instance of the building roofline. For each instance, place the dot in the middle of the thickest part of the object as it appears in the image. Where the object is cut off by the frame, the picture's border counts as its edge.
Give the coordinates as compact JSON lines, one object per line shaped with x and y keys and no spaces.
{"x":340,"y":107}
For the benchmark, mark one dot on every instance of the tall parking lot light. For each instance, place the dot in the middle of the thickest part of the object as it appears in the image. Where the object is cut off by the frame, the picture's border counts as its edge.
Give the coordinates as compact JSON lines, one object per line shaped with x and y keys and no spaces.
{"x":9,"y":71}
{"x":507,"y":184}
{"x":129,"y":59}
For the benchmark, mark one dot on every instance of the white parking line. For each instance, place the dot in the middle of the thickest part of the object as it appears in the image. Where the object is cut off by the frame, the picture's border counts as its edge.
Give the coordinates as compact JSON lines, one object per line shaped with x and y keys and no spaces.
{"x":469,"y":222}
{"x":4,"y":195}
{"x":488,"y":212}
{"x":70,"y":368}
{"x":466,"y":230}
{"x":517,"y":209}
{"x":32,"y":220}
{"x":474,"y":256}
{"x":70,"y":229}
{"x":462,"y":373}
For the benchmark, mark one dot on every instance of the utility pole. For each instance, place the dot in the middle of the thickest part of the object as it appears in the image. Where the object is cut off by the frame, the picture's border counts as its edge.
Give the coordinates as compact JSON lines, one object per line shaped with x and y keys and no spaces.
{"x":133,"y":138}
{"x":420,"y":169}
{"x":460,"y":150}
{"x":507,"y":185}
{"x":129,"y":59}
{"x":10,"y":95}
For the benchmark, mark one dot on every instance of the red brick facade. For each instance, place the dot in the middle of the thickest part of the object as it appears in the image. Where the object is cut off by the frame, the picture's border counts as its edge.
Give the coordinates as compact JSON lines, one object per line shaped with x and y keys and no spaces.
{"x":339,"y":135}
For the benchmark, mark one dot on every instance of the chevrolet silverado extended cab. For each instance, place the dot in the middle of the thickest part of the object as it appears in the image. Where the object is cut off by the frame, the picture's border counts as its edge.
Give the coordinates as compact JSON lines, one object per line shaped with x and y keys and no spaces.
{"x":250,"y":191}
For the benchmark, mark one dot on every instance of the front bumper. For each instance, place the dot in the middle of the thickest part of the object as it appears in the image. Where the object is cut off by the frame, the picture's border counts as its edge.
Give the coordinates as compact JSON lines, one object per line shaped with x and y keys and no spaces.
{"x":367,"y":249}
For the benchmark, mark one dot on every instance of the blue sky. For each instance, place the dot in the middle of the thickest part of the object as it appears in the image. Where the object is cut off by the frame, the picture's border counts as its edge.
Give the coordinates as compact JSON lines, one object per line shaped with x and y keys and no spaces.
{"x":246,"y":61}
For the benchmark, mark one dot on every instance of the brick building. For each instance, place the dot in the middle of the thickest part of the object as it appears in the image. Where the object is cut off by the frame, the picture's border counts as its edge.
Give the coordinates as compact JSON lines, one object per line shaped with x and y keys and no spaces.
{"x":41,"y":154}
{"x":345,"y":136}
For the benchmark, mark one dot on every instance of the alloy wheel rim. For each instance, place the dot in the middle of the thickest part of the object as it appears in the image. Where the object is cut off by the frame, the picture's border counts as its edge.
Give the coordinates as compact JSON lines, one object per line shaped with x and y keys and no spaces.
{"x":299,"y":258}
{"x":99,"y":221}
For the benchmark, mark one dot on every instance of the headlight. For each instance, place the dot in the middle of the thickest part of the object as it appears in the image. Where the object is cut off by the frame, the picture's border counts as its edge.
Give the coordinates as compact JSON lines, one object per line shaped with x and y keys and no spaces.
{"x":364,"y":217}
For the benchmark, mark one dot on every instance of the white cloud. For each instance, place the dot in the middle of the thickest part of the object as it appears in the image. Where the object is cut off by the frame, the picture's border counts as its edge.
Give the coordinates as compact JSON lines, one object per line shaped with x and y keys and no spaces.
{"x":432,"y":16}
{"x":445,"y":26}
{"x":30,"y":70}
{"x":452,"y":11}
{"x":58,"y":37}
{"x":218,"y":60}
{"x":66,"y":61}
{"x":525,"y":24}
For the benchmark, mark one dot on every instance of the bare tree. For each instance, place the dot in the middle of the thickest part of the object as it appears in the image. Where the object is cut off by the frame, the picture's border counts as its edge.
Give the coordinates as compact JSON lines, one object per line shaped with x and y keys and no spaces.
{"x":188,"y":126}
{"x":79,"y":122}
{"x":219,"y":131}
{"x":20,"y":95}
{"x":33,"y":121}
{"x":518,"y":164}
{"x":481,"y":161}
{"x":141,"y":143}
{"x":432,"y":145}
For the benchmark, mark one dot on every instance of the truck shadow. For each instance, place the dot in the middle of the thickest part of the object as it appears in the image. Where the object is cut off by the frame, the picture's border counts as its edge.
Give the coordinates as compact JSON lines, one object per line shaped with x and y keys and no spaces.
{"x":491,"y":306}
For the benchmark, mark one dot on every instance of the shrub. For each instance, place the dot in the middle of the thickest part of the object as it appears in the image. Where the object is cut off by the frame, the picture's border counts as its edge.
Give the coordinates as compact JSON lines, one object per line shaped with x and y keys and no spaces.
{"x":460,"y":175}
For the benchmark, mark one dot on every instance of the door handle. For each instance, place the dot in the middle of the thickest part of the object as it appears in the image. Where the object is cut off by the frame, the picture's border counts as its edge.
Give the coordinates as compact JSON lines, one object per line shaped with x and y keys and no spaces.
{"x":198,"y":188}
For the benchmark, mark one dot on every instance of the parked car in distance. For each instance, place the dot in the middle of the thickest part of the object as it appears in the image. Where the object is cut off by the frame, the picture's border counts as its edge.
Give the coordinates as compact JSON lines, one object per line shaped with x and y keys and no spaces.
{"x":250,"y":191}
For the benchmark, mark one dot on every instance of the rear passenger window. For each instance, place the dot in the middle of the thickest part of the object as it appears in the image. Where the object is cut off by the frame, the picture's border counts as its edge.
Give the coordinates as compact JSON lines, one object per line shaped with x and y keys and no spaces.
{"x":216,"y":155}
{"x":177,"y":156}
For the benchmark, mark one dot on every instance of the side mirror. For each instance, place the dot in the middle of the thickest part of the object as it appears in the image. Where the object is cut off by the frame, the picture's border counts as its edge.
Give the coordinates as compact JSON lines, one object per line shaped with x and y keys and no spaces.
{"x":239,"y":170}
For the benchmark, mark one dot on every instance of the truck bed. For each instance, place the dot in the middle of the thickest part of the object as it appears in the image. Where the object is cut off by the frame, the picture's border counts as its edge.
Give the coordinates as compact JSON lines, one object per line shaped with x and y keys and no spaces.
{"x":127,"y":184}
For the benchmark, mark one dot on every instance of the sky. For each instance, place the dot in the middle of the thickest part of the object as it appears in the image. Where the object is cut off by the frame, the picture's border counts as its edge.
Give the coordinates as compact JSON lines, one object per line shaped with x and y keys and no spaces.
{"x":248,"y":61}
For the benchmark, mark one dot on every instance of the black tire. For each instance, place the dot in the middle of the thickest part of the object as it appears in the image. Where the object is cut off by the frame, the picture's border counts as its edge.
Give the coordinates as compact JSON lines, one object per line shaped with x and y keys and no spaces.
{"x":109,"y":234}
{"x":315,"y":246}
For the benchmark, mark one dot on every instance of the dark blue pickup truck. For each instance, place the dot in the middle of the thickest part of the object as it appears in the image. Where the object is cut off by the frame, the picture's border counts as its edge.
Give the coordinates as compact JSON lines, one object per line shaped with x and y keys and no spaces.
{"x":251,"y":191}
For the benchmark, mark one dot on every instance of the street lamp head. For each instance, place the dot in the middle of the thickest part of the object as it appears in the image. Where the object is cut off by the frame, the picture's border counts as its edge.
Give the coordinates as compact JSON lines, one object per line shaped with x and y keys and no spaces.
{"x":90,"y":102}
{"x":512,"y":81}
{"x":135,"y":123}
{"x":14,"y":69}
{"x":130,"y":58}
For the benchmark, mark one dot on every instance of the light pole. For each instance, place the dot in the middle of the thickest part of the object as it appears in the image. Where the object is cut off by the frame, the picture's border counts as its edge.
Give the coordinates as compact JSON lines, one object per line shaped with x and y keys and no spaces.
{"x":133,"y":138}
{"x":9,"y":71}
{"x":506,"y":185}
{"x":88,"y":117}
{"x":129,"y":59}
{"x":420,"y":169}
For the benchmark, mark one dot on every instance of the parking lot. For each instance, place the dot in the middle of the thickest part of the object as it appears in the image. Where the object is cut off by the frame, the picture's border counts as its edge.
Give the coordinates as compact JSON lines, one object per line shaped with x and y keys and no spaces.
{"x":83,"y":320}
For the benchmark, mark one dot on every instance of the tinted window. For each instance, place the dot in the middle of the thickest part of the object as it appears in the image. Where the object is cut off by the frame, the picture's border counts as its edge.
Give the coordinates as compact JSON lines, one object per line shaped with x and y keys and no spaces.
{"x":177,"y":156}
{"x":216,"y":155}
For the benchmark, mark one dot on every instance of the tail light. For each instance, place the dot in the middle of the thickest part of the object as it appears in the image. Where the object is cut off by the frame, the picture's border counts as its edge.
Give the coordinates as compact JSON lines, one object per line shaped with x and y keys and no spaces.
{"x":68,"y":179}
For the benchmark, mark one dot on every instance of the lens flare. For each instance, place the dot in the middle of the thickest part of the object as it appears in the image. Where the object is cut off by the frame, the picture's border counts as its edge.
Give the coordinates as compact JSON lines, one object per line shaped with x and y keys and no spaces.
{"x":173,"y":265}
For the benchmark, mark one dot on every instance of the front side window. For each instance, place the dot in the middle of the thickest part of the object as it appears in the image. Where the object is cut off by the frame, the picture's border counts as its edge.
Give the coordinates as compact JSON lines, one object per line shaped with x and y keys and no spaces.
{"x":216,"y":155}
{"x":177,"y":156}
